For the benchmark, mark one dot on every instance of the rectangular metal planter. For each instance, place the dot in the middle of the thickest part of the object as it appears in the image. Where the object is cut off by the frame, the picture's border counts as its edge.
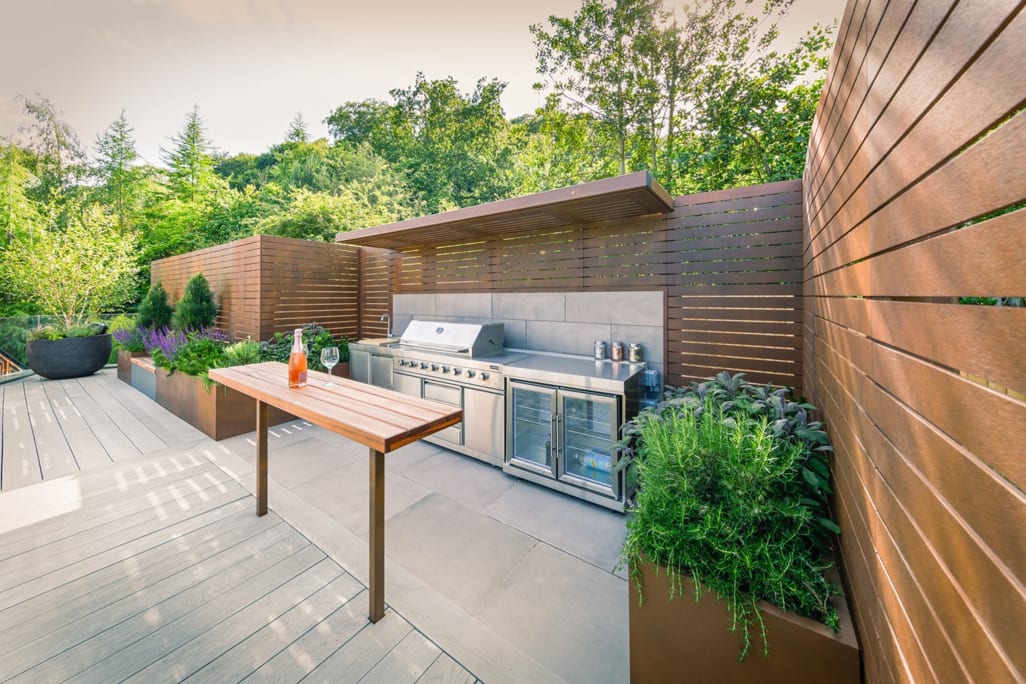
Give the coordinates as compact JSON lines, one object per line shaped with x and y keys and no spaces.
{"x":219,"y":412}
{"x":684,"y":640}
{"x":125,"y":364}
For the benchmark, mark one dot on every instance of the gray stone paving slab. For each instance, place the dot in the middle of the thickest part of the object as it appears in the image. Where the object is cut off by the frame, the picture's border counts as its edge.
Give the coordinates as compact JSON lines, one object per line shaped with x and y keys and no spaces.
{"x":461,"y":553}
{"x":473,"y":483}
{"x":569,"y":615}
{"x":342,"y":493}
{"x":584,"y":530}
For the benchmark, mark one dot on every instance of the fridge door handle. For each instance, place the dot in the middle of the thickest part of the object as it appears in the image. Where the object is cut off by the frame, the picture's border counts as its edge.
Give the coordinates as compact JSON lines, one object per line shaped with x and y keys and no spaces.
{"x":557,"y":438}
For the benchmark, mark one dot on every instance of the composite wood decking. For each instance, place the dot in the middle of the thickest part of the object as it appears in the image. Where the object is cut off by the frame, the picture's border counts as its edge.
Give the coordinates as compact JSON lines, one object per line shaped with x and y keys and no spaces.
{"x":158,"y":569}
{"x":51,"y":429}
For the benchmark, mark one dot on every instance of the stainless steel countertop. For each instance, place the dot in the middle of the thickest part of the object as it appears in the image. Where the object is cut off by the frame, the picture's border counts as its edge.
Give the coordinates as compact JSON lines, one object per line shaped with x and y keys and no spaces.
{"x":572,"y":371}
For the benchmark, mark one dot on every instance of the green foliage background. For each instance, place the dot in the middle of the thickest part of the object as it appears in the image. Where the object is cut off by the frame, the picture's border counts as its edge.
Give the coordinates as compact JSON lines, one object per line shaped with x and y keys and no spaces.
{"x":701,"y":95}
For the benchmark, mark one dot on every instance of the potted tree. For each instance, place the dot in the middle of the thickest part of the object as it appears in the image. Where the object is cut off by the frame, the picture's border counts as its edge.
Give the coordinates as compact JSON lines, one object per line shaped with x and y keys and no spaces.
{"x":73,"y":275}
{"x":730,"y":541}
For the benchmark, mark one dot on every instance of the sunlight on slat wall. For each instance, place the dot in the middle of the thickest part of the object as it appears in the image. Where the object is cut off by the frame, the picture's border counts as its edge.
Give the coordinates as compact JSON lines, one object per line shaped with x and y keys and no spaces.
{"x":266,"y":284}
{"x":913,"y":196}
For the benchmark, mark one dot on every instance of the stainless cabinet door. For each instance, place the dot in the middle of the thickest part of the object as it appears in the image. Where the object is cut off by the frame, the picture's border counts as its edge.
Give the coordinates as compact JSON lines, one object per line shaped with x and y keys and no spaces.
{"x":381,"y":371}
{"x":484,"y":418}
{"x":531,"y":439}
{"x":588,"y":426}
{"x":446,"y":394}
{"x":359,"y":365}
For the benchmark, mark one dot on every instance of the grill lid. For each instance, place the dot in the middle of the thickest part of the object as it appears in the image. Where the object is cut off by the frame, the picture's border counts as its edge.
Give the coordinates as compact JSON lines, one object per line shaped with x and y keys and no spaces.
{"x":469,"y":339}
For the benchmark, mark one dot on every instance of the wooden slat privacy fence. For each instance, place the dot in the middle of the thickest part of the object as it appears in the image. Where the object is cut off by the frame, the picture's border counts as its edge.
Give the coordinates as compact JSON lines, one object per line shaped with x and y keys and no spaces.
{"x":729,"y":262}
{"x":913,"y":191}
{"x":266,"y":284}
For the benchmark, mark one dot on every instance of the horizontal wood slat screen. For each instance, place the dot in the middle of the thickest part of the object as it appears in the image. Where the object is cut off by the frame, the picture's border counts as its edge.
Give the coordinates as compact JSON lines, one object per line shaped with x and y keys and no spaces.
{"x":729,"y":261}
{"x":266,"y":284}
{"x":913,"y":196}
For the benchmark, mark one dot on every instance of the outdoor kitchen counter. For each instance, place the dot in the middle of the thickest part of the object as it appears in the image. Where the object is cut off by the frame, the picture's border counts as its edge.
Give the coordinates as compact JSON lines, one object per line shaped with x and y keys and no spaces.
{"x":592,"y":374}
{"x":378,"y":418}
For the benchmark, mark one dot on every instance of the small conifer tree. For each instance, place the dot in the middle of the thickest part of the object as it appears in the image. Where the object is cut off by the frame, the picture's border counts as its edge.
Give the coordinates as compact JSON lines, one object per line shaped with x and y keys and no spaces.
{"x":154,"y":311}
{"x":196,"y":308}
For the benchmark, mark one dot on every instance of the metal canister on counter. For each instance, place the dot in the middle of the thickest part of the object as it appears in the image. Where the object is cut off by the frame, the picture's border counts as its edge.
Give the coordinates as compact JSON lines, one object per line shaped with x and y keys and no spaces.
{"x":600,"y":349}
{"x":617,"y":351}
{"x":634,"y":352}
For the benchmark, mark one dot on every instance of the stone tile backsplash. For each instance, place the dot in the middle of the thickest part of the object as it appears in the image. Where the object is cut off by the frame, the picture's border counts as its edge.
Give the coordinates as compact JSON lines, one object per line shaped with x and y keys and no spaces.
{"x":562,"y":322}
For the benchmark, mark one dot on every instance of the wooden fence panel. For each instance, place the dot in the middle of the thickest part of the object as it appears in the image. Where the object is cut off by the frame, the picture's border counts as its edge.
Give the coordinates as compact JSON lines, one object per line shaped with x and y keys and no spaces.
{"x":729,"y":261}
{"x":266,"y":284}
{"x":913,"y":193}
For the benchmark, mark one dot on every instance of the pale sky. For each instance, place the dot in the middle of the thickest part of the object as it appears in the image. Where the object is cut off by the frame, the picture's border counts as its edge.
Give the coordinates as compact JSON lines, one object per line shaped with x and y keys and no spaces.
{"x":251,"y":65}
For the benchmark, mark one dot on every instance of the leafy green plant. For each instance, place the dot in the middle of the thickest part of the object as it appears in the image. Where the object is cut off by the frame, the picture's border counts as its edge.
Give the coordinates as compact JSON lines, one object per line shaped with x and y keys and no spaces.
{"x":315,"y":337}
{"x":75,"y":273}
{"x":194,"y":353}
{"x":242,"y":353}
{"x":196,"y":308}
{"x":154,"y":311}
{"x":788,"y":420}
{"x":44,"y":332}
{"x":82,"y":331}
{"x":13,"y":331}
{"x":722,"y":498}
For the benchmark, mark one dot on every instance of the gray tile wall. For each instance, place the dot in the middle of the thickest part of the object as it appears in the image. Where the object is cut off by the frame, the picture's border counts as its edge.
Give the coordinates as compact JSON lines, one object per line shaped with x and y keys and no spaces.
{"x":563,"y":322}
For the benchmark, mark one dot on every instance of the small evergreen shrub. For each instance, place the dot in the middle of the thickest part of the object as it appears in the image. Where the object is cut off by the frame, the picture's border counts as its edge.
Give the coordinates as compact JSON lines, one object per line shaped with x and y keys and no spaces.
{"x":196,"y":308}
{"x":154,"y":311}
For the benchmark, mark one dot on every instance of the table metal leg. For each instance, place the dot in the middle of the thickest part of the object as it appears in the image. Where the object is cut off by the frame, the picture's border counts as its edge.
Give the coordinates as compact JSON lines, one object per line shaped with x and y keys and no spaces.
{"x":376,"y":569}
{"x":261,"y":466}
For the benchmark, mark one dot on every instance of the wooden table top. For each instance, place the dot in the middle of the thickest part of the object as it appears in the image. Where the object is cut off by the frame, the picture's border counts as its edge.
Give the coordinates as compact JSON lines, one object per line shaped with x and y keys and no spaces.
{"x":378,"y":418}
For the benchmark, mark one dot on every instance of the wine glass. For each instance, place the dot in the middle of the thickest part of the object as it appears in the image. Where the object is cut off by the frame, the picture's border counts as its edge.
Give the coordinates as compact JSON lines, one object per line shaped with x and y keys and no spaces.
{"x":329,"y":357}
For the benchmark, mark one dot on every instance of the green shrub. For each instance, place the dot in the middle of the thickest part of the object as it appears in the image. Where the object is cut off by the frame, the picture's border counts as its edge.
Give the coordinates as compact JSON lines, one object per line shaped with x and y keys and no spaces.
{"x":154,"y":311}
{"x":197,"y":308}
{"x":315,"y":337}
{"x":12,"y":337}
{"x":723,"y":496}
{"x":44,"y":332}
{"x":82,"y":331}
{"x":242,"y":353}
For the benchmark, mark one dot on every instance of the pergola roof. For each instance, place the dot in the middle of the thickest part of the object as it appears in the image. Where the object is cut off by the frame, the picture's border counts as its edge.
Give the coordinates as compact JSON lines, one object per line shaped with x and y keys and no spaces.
{"x":619,"y":197}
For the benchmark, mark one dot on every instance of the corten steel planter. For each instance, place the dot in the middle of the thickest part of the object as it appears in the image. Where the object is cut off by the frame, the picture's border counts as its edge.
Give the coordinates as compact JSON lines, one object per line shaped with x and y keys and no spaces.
{"x":70,"y":357}
{"x":681,"y":640}
{"x":125,"y":364}
{"x":219,"y":412}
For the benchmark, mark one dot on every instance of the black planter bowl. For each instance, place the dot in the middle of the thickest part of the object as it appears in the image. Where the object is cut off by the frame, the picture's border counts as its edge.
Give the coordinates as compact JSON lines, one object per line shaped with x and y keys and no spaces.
{"x":71,"y":357}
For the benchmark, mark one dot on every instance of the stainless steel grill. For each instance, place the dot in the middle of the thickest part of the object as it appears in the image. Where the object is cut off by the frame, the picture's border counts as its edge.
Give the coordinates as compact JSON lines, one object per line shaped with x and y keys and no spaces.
{"x":459,"y":364}
{"x":467,"y":339}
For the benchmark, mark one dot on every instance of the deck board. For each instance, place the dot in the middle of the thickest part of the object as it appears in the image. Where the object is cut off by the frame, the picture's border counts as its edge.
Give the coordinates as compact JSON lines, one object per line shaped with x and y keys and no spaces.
{"x":52,"y":449}
{"x":20,"y":460}
{"x":156,"y":568}
{"x":107,"y":430}
{"x":88,"y":451}
{"x":141,"y":436}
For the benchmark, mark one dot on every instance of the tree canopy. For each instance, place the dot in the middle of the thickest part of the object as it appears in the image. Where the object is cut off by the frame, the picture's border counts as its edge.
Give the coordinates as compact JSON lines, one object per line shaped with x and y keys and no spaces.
{"x":704,"y":97}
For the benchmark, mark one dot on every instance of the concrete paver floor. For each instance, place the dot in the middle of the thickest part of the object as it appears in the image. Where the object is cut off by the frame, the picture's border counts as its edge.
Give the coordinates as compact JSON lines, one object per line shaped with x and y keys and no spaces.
{"x":515,"y":581}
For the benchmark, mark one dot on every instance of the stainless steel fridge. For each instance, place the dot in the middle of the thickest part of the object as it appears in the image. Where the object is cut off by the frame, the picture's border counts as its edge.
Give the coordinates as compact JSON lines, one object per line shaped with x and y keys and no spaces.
{"x":564,"y":434}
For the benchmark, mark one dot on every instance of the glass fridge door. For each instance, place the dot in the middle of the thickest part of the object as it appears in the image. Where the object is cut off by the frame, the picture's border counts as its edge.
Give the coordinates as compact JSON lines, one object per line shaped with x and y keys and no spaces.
{"x":590,"y":423}
{"x":530,"y":428}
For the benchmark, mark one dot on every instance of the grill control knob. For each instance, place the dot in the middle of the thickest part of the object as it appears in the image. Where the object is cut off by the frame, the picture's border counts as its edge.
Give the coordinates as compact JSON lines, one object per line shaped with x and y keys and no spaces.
{"x":457,"y":371}
{"x":434,"y":366}
{"x":423,"y":365}
{"x":484,"y":376}
{"x":445,"y":369}
{"x":471,"y":373}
